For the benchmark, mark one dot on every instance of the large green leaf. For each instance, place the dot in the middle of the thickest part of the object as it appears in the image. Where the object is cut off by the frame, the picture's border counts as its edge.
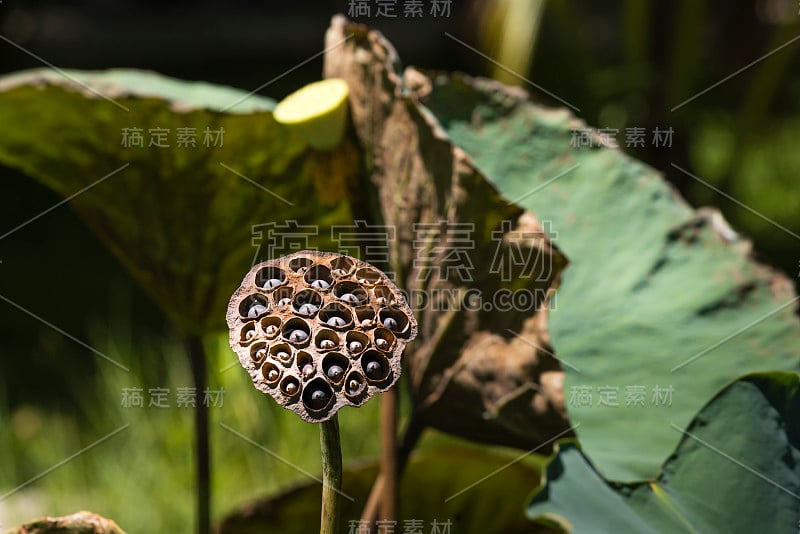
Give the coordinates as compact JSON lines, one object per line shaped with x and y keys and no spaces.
{"x":180,"y":218}
{"x":658,"y":298}
{"x":430,"y":490}
{"x":736,"y":470}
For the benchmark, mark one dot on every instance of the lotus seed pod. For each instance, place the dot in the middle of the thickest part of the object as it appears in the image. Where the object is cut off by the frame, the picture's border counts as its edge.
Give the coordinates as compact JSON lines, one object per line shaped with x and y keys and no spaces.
{"x":328,"y":332}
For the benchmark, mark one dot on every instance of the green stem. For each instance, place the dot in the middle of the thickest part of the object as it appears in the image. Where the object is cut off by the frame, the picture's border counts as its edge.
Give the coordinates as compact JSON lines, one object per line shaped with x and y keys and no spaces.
{"x":197,"y":362}
{"x":331,"y":475}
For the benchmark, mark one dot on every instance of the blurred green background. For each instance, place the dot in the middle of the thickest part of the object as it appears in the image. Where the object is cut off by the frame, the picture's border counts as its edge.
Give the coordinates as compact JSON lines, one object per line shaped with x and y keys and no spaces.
{"x":622,"y":64}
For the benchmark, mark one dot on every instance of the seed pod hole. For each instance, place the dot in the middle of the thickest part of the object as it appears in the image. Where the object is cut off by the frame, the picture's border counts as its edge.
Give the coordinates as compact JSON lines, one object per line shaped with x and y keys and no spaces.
{"x":253,"y":306}
{"x":342,"y":266}
{"x":299,"y":265}
{"x":335,"y":365}
{"x":336,"y":316}
{"x":365,"y":316}
{"x":383,"y":296}
{"x":354,"y":385}
{"x":248,"y":333}
{"x":319,"y":277}
{"x":296,"y":331}
{"x":271,"y":373}
{"x":365,"y":275}
{"x":290,"y":386}
{"x":283,"y":296}
{"x":305,"y":365}
{"x":317,"y":395}
{"x":270,"y":277}
{"x":271,"y":325}
{"x":351,"y":293}
{"x":258,"y":353}
{"x":356,"y":342}
{"x":281,"y":352}
{"x":394,"y":319}
{"x":307,"y":302}
{"x":384,"y":339}
{"x":376,"y":366}
{"x":326,"y":339}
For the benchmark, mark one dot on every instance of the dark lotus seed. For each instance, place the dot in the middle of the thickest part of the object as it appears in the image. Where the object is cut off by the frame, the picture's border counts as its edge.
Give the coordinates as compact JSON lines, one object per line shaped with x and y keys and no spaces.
{"x":373,"y":369}
{"x":272,"y":375}
{"x":353,"y":386}
{"x":349,"y":297}
{"x":390,"y":323}
{"x":320,"y":284}
{"x":285,"y":301}
{"x":291,"y":388}
{"x":326,"y":344}
{"x":298,"y":336}
{"x":335,"y":372}
{"x":381,"y":343}
{"x":308,"y":370}
{"x":356,"y":346}
{"x":271,"y":283}
{"x":308,"y":309}
{"x":256,"y":310}
{"x":336,"y":321}
{"x":271,"y":330}
{"x":319,"y":398}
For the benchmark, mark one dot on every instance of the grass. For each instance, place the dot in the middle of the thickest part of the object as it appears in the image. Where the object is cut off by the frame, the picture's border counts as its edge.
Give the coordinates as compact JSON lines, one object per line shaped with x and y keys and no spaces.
{"x":142,"y":477}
